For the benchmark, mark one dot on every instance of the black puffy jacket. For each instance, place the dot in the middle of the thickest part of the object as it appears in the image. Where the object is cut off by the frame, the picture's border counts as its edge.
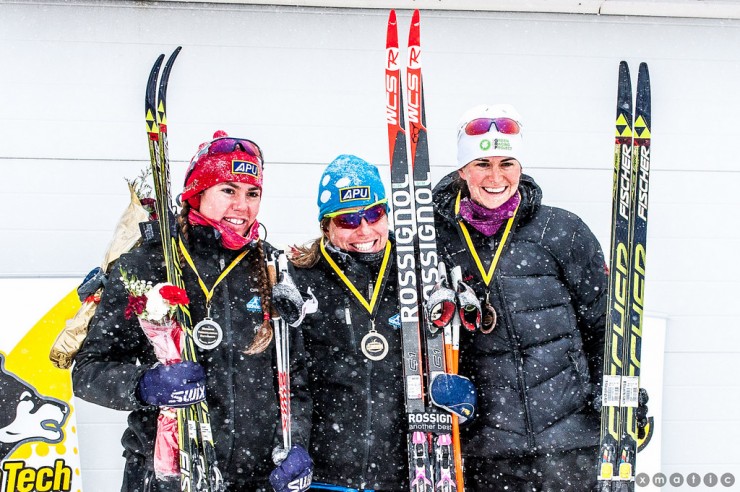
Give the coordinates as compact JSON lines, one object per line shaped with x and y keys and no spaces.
{"x":537,"y":371}
{"x":358,"y":439}
{"x":241,"y":389}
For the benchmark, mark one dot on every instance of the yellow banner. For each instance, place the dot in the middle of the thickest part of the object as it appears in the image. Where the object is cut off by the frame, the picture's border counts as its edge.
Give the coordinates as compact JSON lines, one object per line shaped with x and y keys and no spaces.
{"x":38,"y":435}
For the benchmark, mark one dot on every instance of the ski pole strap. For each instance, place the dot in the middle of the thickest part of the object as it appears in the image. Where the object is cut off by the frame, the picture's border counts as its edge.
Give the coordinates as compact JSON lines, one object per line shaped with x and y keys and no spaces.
{"x":487,"y":276}
{"x":371,"y":305}
{"x":206,"y":291}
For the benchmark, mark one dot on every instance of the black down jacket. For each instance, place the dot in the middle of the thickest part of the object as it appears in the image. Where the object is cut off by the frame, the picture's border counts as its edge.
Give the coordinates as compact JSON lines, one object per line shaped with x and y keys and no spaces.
{"x":537,"y":371}
{"x":358,"y":438}
{"x":241,"y":389}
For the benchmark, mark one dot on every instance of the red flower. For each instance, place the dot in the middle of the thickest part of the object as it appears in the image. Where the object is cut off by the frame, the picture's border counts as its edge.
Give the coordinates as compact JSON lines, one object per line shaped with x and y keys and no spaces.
{"x":93,"y":298}
{"x":174,"y":295}
{"x":150,"y":205}
{"x":136,"y":305}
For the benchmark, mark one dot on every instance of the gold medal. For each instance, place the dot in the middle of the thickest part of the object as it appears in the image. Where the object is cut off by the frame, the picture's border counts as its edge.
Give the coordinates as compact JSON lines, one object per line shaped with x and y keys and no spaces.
{"x":374,"y":346}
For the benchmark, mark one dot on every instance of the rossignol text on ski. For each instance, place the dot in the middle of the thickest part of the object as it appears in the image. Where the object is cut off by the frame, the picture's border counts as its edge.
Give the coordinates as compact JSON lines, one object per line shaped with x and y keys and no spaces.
{"x":430,"y":443}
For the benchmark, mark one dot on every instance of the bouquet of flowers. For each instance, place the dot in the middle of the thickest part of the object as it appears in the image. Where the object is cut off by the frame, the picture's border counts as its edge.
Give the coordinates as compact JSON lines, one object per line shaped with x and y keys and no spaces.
{"x":155,"y":307}
{"x":125,"y":237}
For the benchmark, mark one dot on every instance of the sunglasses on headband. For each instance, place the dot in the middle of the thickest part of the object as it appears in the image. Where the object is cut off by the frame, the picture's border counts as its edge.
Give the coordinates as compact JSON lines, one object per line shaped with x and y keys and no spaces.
{"x":352,"y":220}
{"x":226,"y":145}
{"x":479,"y":126}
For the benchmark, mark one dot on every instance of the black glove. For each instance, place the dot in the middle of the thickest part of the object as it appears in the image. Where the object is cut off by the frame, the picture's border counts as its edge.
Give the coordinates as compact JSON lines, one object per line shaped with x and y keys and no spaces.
{"x":93,"y":281}
{"x":641,"y":414}
{"x":176,"y":385}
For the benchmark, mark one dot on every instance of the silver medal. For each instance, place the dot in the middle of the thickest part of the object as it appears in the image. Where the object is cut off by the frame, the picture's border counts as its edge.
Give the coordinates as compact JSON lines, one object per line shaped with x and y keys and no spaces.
{"x":208,"y":334}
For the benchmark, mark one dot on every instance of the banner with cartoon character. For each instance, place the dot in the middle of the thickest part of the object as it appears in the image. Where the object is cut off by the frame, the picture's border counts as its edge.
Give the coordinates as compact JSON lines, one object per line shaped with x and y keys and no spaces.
{"x":38,"y":435}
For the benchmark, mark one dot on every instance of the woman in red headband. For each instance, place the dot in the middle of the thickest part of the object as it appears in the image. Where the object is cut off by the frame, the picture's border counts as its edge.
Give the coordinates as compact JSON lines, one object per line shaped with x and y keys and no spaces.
{"x":226,"y":283}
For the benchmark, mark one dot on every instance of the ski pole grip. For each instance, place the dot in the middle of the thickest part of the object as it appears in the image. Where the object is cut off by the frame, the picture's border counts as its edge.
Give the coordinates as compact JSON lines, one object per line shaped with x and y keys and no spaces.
{"x":282,"y":261}
{"x":442,"y":269}
{"x":271,"y":273}
{"x":456,"y":275}
{"x":272,"y":278}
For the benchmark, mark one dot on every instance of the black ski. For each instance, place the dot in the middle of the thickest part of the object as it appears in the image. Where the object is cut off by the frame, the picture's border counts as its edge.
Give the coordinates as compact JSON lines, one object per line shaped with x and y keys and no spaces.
{"x":622,"y":348}
{"x":198,"y":467}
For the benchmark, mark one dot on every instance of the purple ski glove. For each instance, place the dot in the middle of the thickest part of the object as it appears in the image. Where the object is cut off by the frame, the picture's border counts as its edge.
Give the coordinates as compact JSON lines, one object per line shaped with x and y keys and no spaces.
{"x":176,"y":385}
{"x":295,"y":473}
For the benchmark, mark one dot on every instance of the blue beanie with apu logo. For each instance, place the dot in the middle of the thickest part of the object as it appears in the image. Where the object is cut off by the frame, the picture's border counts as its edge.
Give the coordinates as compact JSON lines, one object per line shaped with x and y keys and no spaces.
{"x":349,"y":182}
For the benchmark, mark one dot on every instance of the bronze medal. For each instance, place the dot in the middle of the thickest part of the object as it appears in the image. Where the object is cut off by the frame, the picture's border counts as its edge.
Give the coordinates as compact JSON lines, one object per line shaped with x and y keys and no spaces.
{"x":489,"y":318}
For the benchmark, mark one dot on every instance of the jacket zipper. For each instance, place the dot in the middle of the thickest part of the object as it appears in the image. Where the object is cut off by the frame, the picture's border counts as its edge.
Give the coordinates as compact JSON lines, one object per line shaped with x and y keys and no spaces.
{"x":228,"y":340}
{"x":368,"y":379}
{"x":519,"y":362}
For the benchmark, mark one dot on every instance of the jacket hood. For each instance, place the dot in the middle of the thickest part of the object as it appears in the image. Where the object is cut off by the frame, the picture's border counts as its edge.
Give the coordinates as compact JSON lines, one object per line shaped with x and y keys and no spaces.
{"x":445,"y":193}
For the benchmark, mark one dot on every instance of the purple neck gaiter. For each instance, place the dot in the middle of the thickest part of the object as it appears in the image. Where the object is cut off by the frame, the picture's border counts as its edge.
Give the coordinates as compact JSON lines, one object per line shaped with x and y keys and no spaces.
{"x":488,"y":221}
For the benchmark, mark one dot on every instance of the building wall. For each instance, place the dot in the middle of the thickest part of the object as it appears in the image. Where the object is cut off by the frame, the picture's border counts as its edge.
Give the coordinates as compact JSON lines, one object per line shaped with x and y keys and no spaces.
{"x":307,"y":85}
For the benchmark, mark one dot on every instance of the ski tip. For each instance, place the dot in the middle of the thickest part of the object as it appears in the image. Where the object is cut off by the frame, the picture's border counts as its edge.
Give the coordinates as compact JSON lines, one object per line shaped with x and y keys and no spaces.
{"x":624,"y":69}
{"x":414,"y":37}
{"x":391,"y":38}
{"x":624,"y":87}
{"x":643,"y":103}
{"x":157,"y":63}
{"x":171,"y":59}
{"x":152,"y":82}
{"x":175,"y":53}
{"x":644,"y":72}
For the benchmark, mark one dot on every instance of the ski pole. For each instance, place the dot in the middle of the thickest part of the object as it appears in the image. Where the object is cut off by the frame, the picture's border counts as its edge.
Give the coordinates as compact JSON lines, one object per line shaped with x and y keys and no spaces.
{"x":282,"y":348}
{"x":456,"y":277}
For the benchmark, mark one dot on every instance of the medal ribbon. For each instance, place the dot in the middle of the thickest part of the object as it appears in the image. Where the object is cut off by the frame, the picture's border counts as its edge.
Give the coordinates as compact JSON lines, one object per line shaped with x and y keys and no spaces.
{"x":487,"y":276}
{"x":209,"y":292}
{"x":379,"y":283}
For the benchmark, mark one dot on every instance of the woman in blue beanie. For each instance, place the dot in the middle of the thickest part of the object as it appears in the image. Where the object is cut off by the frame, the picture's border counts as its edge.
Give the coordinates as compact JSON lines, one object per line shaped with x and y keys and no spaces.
{"x":353,"y":342}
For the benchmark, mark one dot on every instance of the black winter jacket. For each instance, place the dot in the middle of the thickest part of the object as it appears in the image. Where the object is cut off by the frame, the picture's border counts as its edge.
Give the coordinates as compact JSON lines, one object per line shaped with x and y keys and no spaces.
{"x":537,"y":371}
{"x":241,"y":389}
{"x":358,"y":439}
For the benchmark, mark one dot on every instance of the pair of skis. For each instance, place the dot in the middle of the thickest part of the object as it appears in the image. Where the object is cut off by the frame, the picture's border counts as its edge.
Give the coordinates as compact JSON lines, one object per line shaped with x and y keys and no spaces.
{"x":418,"y":274}
{"x":622,"y":345}
{"x":197,"y":456}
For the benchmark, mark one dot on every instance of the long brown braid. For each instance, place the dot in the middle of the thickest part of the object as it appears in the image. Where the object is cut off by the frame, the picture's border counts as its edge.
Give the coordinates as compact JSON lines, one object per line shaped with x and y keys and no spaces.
{"x":263,"y":337}
{"x":264,"y":334}
{"x":184,"y":224}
